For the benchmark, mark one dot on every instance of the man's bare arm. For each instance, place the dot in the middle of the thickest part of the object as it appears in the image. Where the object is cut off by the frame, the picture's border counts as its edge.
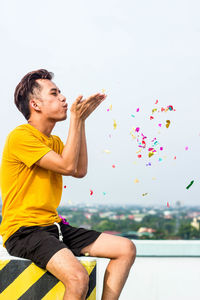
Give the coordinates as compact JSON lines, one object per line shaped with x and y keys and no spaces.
{"x":67,"y":162}
{"x":83,"y":157}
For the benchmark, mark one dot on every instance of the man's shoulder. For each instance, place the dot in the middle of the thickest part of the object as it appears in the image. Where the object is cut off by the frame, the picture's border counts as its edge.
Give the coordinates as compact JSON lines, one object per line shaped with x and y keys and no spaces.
{"x":21,"y":128}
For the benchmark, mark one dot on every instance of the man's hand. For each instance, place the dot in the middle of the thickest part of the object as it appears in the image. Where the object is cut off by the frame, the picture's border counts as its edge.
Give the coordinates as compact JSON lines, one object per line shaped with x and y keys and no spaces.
{"x":83,"y":108}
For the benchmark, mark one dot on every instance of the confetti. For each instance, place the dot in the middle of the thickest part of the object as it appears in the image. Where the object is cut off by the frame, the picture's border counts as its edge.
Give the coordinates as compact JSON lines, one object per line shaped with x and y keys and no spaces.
{"x":137,"y":129}
{"x":110,"y":107}
{"x":151,"y":117}
{"x":91,"y":192}
{"x":174,"y":157}
{"x":103,"y":91}
{"x":137,"y":110}
{"x":64,"y":221}
{"x":136,"y":180}
{"x":170,"y":107}
{"x":191,"y":183}
{"x":107,"y":151}
{"x":167,"y":204}
{"x":156,"y":102}
{"x":104,"y":193}
{"x":144,"y":194}
{"x":115,"y":124}
{"x":113,"y":166}
{"x":186,"y":148}
{"x":161,"y":148}
{"x":159,"y":125}
{"x":168,"y":123}
{"x":151,"y":154}
{"x":149,"y":164}
{"x":65,"y":186}
{"x":160,"y":159}
{"x":133,"y":116}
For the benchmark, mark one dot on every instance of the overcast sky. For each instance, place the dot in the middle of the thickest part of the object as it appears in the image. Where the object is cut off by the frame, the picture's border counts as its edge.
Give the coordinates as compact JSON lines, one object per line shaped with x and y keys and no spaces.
{"x":139,"y":52}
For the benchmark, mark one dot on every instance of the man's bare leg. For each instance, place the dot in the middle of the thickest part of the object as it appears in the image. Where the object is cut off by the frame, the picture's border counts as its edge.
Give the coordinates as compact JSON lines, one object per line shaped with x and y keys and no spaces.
{"x":65,"y":266}
{"x":122,"y":253}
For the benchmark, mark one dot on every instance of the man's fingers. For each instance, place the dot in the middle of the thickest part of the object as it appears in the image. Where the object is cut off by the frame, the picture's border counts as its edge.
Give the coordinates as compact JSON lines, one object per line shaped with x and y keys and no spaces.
{"x":79,"y":98}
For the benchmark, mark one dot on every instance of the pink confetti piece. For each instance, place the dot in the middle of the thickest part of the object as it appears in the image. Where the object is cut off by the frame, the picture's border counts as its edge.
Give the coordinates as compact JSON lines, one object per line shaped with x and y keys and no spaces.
{"x":159,"y":124}
{"x":156,"y":102}
{"x":113,"y":166}
{"x":161,"y":148}
{"x":137,"y":129}
{"x":167,"y":204}
{"x":186,"y":148}
{"x":107,"y":109}
{"x":150,"y":149}
{"x":137,"y":110}
{"x":174,"y":157}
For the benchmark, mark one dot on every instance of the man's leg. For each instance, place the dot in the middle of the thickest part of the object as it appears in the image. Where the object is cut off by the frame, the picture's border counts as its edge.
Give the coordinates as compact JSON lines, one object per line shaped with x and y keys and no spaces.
{"x":65,"y":266}
{"x":122,"y":253}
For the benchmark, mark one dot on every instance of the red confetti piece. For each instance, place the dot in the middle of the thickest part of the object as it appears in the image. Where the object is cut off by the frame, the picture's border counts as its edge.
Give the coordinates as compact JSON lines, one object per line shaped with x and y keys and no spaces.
{"x":64,"y":186}
{"x":167,"y":204}
{"x":151,"y":118}
{"x":91,"y":192}
{"x":156,"y":102}
{"x":139,"y":155}
{"x":113,"y":166}
{"x":174,"y":157}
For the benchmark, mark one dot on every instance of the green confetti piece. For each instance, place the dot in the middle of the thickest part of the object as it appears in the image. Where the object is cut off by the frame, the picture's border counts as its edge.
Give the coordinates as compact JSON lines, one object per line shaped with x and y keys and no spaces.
{"x":189,"y":185}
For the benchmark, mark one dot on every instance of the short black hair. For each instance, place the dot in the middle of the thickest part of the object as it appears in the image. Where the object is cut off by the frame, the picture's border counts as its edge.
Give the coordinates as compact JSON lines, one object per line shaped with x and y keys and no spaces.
{"x":26,"y":88}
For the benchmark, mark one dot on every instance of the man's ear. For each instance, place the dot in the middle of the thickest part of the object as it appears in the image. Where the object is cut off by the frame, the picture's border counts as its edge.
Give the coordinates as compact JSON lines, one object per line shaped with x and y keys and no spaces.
{"x":34,"y":104}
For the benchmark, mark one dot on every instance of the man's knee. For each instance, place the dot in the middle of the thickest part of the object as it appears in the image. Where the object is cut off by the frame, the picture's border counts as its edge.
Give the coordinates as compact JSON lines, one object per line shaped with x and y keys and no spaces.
{"x":78,"y":282}
{"x":129,"y":250}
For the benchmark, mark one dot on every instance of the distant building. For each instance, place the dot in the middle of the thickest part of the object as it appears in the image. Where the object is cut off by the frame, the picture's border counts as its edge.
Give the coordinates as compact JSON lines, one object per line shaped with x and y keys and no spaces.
{"x":196,"y":223}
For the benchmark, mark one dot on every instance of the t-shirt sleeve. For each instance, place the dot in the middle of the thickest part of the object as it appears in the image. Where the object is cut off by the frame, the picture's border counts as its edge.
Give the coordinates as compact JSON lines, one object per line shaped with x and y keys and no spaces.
{"x":27,"y":148}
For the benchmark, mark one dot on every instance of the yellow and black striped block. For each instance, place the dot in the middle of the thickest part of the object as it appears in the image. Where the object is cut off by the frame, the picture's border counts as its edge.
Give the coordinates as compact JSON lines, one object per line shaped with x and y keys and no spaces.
{"x":22,"y":279}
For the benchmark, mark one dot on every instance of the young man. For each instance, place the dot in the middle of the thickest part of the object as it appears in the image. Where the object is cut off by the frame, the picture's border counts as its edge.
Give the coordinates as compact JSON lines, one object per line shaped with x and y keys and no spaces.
{"x":33,"y":163}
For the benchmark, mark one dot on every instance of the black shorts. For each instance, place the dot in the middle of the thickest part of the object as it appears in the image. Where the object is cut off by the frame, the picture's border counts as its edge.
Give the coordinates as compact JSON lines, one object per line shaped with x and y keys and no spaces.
{"x":39,"y":243}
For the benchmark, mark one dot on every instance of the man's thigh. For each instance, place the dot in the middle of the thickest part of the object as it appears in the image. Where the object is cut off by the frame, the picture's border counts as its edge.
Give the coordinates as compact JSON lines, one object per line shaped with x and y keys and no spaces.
{"x":110,"y":246}
{"x":65,"y":266}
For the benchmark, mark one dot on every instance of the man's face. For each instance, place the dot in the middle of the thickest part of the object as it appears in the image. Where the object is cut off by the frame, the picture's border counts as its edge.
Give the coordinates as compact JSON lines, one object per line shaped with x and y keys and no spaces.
{"x":51,"y":102}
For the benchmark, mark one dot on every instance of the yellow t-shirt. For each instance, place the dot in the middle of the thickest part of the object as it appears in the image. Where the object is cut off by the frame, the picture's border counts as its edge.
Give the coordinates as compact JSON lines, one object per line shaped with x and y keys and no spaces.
{"x":30,"y":194}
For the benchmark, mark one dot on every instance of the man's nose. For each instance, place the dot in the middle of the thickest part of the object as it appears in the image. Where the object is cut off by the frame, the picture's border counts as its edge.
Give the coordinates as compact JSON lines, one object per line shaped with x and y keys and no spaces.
{"x":62,"y":98}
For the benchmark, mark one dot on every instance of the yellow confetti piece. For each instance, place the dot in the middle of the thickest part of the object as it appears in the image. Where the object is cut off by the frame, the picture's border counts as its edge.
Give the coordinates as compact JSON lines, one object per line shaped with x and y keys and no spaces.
{"x":153,"y":110}
{"x":153,"y":178}
{"x":144,"y":194}
{"x":136,"y":180}
{"x":133,"y":136}
{"x":107,"y":151}
{"x":139,"y":151}
{"x":134,"y":162}
{"x":151,"y":154}
{"x":168,"y":123}
{"x":110,"y":107}
{"x":115,"y":124}
{"x":103,"y":91}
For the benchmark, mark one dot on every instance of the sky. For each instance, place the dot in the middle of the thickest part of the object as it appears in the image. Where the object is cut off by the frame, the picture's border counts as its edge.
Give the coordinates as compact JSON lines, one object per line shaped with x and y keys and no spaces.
{"x":138,"y":52}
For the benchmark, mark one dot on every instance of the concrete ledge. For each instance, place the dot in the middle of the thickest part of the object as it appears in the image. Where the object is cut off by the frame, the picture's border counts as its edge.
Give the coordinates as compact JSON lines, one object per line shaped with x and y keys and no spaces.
{"x":22,"y":279}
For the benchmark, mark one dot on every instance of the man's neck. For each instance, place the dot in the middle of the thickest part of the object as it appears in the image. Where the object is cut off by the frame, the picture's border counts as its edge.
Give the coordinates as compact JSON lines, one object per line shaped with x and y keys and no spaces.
{"x":44,"y":128}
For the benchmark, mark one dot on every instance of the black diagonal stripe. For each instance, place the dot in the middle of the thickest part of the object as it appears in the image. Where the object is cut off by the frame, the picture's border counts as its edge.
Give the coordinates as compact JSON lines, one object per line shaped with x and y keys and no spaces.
{"x":11,"y":271}
{"x":92,"y":282}
{"x":40,"y":288}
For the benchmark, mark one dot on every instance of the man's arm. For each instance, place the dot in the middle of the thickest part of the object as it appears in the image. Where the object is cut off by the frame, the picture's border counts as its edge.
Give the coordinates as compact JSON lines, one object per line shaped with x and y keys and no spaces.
{"x":81,"y":170}
{"x":67,"y":162}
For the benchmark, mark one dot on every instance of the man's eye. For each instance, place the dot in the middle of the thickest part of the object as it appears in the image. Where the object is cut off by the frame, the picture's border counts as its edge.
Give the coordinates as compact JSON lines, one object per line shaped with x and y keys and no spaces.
{"x":54,"y":94}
